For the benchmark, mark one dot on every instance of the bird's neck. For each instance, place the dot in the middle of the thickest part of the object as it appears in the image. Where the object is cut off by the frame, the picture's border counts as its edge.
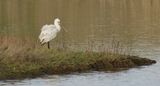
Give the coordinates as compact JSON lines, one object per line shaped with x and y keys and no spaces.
{"x":57,"y":26}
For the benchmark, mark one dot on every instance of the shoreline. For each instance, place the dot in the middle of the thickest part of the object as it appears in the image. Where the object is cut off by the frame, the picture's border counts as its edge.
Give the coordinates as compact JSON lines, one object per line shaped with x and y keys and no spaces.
{"x":29,"y":65}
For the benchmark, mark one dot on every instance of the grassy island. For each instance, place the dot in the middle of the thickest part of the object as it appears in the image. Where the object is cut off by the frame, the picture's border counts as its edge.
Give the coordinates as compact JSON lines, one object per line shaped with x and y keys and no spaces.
{"x":32,"y":63}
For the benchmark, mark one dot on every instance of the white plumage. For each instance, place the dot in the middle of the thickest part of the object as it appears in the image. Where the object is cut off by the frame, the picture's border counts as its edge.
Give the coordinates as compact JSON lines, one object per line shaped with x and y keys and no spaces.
{"x":49,"y":32}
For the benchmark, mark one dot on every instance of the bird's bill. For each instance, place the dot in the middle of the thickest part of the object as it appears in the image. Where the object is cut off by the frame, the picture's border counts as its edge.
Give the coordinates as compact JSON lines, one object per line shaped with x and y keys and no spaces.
{"x":64,"y":29}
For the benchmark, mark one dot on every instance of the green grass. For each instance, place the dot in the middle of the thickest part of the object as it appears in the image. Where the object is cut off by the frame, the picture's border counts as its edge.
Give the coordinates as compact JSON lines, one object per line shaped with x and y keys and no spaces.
{"x":22,"y":60}
{"x":36,"y":62}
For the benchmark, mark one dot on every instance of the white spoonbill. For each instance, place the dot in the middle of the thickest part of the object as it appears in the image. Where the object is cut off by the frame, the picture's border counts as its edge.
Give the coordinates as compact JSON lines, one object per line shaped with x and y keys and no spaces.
{"x":49,"y":32}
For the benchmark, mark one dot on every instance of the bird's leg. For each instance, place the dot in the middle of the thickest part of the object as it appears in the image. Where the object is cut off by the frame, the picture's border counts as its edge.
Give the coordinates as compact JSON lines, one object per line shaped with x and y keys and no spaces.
{"x":48,"y":45}
{"x":42,"y":44}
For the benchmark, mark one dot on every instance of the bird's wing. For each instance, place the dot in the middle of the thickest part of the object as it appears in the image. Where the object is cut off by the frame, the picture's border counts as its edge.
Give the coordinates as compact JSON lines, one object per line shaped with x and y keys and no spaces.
{"x":48,"y":27}
{"x":48,"y":32}
{"x":44,"y":27}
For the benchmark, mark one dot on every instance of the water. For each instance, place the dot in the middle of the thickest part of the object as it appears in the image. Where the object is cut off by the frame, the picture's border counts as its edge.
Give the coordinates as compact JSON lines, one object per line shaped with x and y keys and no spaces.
{"x":135,"y":23}
{"x":125,"y":20}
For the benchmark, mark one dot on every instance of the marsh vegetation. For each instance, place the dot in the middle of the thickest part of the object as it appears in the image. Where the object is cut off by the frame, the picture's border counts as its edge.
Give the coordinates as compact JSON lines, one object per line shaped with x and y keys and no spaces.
{"x":26,"y":61}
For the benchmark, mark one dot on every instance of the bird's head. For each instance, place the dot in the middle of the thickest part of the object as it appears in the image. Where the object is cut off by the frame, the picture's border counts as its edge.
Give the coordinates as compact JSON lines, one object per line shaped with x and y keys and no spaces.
{"x":57,"y":21}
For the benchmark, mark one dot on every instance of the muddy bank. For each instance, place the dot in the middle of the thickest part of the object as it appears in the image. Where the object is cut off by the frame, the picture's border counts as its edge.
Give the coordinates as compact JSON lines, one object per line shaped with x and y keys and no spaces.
{"x":106,"y":65}
{"x":121,"y":63}
{"x":30,"y":64}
